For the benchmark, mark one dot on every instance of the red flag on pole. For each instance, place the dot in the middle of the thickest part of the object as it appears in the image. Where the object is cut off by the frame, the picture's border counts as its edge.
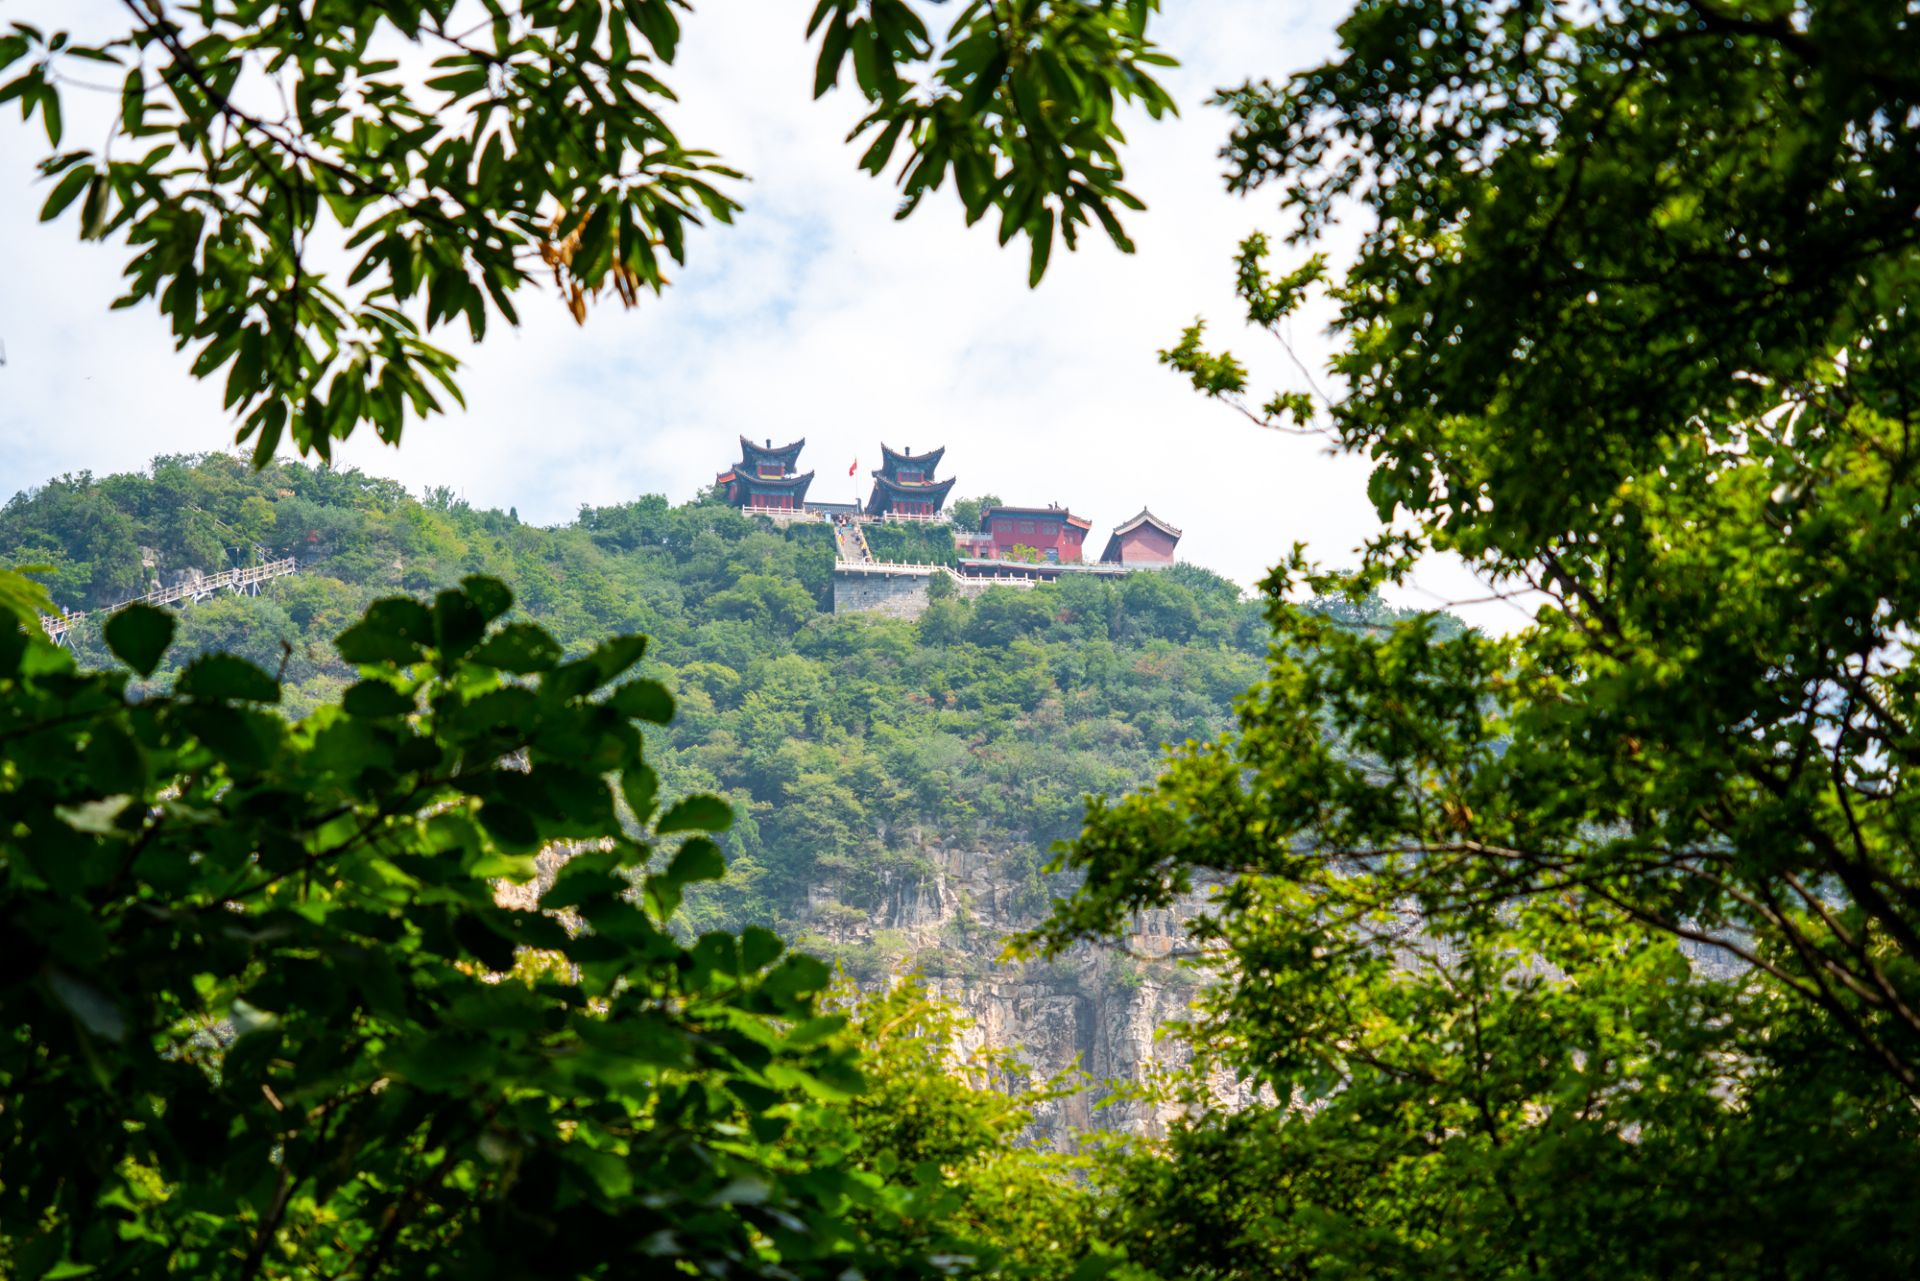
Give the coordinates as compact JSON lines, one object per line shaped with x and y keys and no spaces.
{"x":855,"y":468}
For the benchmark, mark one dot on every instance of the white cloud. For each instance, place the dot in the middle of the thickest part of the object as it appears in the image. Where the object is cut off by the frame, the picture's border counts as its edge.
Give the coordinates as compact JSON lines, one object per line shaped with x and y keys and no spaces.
{"x":816,"y":315}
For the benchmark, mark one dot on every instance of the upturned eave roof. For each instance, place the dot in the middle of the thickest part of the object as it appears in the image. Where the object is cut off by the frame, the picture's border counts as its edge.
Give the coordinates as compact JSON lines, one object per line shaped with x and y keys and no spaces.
{"x":1145,"y":518}
{"x":891,"y":458}
{"x":783,"y":453}
{"x":777,"y":484}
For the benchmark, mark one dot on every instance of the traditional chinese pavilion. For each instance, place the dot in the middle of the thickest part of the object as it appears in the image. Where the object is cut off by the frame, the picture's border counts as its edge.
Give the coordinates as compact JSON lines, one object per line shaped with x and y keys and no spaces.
{"x":764,"y":479}
{"x":1056,"y":533}
{"x":904,"y":484}
{"x":1144,"y":540}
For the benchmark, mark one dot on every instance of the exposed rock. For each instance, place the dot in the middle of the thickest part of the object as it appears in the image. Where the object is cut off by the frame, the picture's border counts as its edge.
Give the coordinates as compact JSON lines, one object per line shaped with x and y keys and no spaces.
{"x":1101,"y":1012}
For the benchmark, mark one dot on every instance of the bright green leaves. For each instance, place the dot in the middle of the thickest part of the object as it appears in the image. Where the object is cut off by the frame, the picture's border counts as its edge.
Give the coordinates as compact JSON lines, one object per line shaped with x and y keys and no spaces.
{"x":537,"y":148}
{"x":25,"y":599}
{"x":139,"y":635}
{"x":1610,"y":325}
{"x":1269,"y":301}
{"x":1218,"y":375}
{"x":333,"y":891}
{"x":1018,"y":103}
{"x":644,"y":700}
{"x":521,"y":648}
{"x":394,"y":631}
{"x":697,"y":860}
{"x":697,"y":814}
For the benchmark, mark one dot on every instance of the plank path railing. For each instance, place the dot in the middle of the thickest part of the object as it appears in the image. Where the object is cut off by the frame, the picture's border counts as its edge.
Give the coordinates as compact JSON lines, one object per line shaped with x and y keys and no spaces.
{"x":246,"y":579}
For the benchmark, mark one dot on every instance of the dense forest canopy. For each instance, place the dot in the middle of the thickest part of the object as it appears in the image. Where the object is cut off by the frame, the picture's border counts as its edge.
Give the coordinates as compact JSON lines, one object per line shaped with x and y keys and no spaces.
{"x":846,"y":742}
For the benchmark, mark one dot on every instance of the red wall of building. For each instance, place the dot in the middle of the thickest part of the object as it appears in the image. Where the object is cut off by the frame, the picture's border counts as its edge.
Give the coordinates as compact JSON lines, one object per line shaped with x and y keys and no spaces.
{"x":1042,"y":533}
{"x":1145,"y":545}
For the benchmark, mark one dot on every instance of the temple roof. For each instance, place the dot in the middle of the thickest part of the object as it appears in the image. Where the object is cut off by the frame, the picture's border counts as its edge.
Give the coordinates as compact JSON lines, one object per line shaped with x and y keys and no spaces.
{"x":774,"y":484}
{"x":1112,"y":553}
{"x":1145,"y":518}
{"x":912,"y":488}
{"x":1055,"y":513}
{"x":783,"y":454}
{"x":891,"y":459}
{"x":886,"y":489}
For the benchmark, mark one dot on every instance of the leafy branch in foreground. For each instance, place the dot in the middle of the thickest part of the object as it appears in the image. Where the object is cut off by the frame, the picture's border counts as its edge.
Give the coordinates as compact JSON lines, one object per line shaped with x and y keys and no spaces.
{"x":1601,"y":940}
{"x":1018,"y":104}
{"x":253,"y":140}
{"x":267,"y":1013}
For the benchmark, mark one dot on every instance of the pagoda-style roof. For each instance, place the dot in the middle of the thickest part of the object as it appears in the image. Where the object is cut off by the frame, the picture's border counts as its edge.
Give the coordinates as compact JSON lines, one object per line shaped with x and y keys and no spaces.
{"x":740,"y":485}
{"x":774,"y":484}
{"x":891,"y":460}
{"x":887,"y":491}
{"x":1060,"y":514}
{"x":788,"y":455}
{"x":1146,"y":518}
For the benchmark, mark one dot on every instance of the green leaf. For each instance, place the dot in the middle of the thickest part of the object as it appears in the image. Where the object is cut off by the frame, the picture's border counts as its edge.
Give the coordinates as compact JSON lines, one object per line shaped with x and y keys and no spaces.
{"x":489,"y":595}
{"x":115,"y":762}
{"x":521,"y":648}
{"x":96,"y":1011}
{"x":759,"y":948}
{"x":616,"y":655}
{"x":95,"y":818}
{"x":641,"y":786}
{"x":698,"y":860}
{"x":139,"y":635}
{"x":696,"y":814}
{"x":509,"y":825}
{"x":66,"y":191}
{"x":644,"y":700}
{"x":227,"y":678}
{"x":395,"y":630}
{"x":376,"y":699}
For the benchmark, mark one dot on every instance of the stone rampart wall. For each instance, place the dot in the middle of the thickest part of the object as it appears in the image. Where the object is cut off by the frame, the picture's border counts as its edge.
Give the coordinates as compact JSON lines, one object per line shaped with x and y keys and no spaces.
{"x":894,"y":595}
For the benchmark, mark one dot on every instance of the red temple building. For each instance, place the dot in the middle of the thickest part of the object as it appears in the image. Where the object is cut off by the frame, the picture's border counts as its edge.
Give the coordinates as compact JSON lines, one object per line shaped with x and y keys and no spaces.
{"x":764,"y":479}
{"x":904,"y":484}
{"x":1144,"y":540}
{"x":1056,"y":533}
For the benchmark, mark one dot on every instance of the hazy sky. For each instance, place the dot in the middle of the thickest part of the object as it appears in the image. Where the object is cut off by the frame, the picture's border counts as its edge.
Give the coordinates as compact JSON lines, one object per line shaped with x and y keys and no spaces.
{"x":815,"y":315}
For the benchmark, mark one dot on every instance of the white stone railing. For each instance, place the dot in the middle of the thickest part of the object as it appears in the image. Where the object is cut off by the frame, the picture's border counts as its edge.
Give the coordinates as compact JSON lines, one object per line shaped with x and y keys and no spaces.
{"x":246,"y":579}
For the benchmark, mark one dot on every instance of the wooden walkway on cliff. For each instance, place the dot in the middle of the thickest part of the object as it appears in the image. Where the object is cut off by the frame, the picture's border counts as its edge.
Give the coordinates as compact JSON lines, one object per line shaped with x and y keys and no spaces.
{"x":247,"y":580}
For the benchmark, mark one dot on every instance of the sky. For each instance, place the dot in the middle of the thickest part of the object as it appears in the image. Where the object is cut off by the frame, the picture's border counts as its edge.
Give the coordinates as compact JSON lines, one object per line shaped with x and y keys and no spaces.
{"x":815,"y":315}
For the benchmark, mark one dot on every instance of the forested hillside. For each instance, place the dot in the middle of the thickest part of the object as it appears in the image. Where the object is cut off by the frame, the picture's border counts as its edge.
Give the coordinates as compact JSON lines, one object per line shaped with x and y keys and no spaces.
{"x":849,"y":745}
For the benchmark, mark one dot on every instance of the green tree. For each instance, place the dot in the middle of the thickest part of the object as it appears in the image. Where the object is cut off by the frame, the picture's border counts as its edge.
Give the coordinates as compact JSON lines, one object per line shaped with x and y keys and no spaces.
{"x":954,"y":1124}
{"x":1627,"y":334}
{"x":258,"y":1019}
{"x":538,"y":146}
{"x":965,"y":513}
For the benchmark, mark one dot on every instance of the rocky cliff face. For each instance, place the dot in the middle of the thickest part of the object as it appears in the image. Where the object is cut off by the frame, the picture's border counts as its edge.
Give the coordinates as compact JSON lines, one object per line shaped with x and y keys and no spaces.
{"x":1102,"y":1012}
{"x":1100,"y":1019}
